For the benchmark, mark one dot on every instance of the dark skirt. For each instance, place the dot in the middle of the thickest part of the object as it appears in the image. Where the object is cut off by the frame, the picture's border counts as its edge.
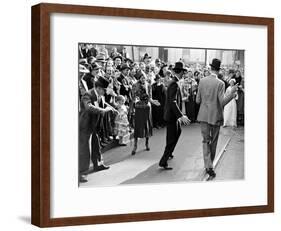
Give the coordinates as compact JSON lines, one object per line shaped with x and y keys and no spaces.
{"x":240,"y":102}
{"x":157,"y":115}
{"x":143,"y":121}
{"x":240,"y":108}
{"x":190,"y":108}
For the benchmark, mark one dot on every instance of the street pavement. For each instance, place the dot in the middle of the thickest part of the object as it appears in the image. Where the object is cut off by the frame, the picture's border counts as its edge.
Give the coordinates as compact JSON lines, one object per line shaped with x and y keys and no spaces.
{"x":187,"y":163}
{"x":231,"y":164}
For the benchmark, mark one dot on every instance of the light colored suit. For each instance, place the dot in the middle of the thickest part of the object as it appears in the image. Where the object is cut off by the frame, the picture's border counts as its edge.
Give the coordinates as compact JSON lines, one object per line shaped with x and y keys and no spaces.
{"x":212,"y":99}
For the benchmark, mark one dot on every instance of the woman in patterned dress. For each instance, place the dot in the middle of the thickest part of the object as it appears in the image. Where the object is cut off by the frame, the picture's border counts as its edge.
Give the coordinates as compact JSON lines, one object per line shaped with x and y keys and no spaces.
{"x":142,"y":98}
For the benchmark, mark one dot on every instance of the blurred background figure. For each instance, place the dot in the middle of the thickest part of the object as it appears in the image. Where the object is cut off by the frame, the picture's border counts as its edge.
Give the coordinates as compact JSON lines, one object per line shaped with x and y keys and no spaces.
{"x":159,"y":94}
{"x":230,"y":110}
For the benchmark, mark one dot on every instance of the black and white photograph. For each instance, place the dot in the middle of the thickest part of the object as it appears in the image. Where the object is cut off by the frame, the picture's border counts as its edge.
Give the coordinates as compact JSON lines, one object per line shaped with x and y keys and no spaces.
{"x":140,"y":115}
{"x":153,"y":114}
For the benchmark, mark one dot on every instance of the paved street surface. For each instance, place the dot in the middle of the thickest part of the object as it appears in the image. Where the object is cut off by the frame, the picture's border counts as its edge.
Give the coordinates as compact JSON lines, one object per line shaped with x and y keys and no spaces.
{"x":187,"y":164}
{"x":231,"y":164}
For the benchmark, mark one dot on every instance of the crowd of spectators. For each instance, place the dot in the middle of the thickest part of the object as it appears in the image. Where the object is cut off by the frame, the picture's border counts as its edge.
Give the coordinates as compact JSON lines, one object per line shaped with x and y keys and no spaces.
{"x":126,"y":79}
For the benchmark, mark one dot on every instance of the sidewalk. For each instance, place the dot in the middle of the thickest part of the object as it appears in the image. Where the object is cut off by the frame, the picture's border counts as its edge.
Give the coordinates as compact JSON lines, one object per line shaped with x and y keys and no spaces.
{"x":231,"y":164}
{"x":143,"y":167}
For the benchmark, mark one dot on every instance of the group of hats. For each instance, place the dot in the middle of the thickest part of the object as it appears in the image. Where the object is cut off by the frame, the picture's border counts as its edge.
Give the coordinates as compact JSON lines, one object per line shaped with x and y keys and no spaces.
{"x":101,"y":58}
{"x":216,"y":63}
{"x":122,"y":58}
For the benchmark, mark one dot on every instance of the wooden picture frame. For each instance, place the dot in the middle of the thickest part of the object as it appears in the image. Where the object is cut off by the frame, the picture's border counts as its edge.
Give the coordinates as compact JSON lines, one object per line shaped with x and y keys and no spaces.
{"x":41,"y":114}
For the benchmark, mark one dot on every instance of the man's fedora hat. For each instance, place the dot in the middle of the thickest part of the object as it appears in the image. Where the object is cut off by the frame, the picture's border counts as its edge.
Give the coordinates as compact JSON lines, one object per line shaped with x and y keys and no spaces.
{"x":100,"y":58}
{"x":102,"y":82}
{"x":146,"y":56}
{"x":216,"y":64}
{"x":117,"y":56}
{"x":94,"y":66}
{"x":128,"y":60}
{"x":124,"y":66}
{"x":83,"y":69}
{"x":179,"y":66}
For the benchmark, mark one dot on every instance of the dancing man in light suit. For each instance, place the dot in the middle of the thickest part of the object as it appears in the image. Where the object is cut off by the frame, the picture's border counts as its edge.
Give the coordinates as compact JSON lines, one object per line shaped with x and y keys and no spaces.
{"x":212,"y":99}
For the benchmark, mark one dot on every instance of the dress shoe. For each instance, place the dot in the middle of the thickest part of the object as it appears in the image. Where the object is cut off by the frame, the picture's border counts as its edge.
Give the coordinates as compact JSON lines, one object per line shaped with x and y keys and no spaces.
{"x":135,"y":147}
{"x":165,"y":167}
{"x":83,"y":179}
{"x":147,"y":148}
{"x":105,"y":141}
{"x":89,"y":171}
{"x":108,"y":140}
{"x":101,"y":167}
{"x":211,"y":172}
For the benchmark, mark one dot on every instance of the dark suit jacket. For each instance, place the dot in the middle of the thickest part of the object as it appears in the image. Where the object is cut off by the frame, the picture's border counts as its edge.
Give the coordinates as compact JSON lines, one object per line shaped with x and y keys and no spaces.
{"x":124,"y":82}
{"x":90,"y":111}
{"x":88,"y":78}
{"x":173,"y":103}
{"x":212,"y":99}
{"x":89,"y":53}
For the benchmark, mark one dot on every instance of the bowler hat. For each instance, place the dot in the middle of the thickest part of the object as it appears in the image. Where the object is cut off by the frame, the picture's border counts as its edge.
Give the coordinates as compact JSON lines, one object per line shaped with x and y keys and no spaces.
{"x":179,"y":66}
{"x":216,"y":63}
{"x":102,"y":82}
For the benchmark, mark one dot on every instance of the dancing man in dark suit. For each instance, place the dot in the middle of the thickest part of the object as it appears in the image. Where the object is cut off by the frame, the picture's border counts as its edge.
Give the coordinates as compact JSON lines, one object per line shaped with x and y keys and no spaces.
{"x":173,"y":116}
{"x":212,"y":99}
{"x":89,"y":118}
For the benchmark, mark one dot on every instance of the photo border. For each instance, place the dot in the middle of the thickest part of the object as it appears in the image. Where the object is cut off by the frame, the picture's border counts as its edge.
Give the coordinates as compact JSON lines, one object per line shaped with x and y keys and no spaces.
{"x":40,"y":170}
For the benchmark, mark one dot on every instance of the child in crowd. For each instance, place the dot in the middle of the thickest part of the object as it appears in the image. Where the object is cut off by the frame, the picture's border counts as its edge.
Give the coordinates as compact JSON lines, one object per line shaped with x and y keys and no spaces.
{"x":121,"y":121}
